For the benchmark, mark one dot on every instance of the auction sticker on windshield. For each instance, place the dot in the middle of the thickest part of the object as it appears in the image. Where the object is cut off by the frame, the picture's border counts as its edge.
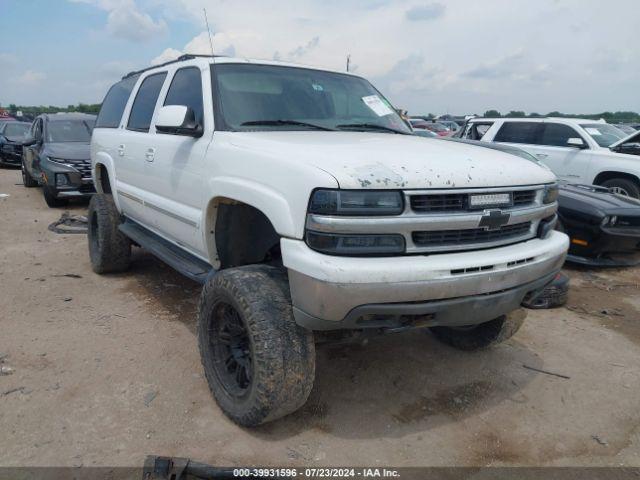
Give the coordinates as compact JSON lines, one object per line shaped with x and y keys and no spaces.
{"x":377,"y":105}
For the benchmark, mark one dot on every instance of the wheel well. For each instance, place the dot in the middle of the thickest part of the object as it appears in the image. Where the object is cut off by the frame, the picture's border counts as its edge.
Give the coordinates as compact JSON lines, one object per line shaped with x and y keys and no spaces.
{"x":102,"y":179}
{"x":243,"y":235}
{"x":604,"y":176}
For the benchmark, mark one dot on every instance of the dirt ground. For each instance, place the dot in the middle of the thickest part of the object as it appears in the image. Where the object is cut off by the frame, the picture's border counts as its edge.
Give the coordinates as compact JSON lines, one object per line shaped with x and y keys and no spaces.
{"x":104,"y":370}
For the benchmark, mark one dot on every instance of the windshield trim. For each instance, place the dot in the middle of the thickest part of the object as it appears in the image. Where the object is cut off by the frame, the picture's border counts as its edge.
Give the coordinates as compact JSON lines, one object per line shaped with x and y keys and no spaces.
{"x":219,"y":122}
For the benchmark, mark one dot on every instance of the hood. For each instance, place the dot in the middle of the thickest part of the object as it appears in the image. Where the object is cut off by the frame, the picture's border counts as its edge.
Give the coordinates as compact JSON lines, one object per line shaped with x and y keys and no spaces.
{"x":67,"y":151}
{"x":14,"y":138}
{"x":633,"y":138}
{"x":382,"y":160}
{"x":596,"y":198}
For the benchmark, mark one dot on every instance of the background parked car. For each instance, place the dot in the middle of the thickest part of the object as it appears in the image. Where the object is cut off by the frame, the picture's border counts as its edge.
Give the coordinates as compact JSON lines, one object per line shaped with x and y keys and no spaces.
{"x":422,"y":132}
{"x":603,"y":228}
{"x":435,"y":127}
{"x":12,"y":134}
{"x":577,"y":150}
{"x":56,"y":156}
{"x":628,"y":129}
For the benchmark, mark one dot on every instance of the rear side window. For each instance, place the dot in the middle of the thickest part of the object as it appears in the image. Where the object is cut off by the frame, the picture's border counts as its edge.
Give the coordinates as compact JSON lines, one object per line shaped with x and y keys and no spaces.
{"x":145,"y":102}
{"x":114,"y":103}
{"x":519,"y":132}
{"x":186,"y":89}
{"x":557,"y":134}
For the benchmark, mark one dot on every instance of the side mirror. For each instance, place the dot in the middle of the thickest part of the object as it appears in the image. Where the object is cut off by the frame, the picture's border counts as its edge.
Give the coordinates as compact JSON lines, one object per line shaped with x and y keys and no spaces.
{"x":178,"y":120}
{"x":576,"y":142}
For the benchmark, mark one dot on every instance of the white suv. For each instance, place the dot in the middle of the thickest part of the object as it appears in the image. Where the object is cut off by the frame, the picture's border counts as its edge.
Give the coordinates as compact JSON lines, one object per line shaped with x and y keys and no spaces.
{"x":302,"y":202}
{"x":576,"y":150}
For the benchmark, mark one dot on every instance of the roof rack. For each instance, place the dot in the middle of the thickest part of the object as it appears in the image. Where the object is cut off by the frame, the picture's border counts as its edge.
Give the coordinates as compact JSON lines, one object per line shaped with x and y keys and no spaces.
{"x":181,"y":58}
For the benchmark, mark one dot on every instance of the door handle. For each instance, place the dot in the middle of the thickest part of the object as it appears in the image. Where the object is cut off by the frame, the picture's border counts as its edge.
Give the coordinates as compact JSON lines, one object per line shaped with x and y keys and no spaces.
{"x":541,"y":155}
{"x":150,"y":154}
{"x":121,"y":150}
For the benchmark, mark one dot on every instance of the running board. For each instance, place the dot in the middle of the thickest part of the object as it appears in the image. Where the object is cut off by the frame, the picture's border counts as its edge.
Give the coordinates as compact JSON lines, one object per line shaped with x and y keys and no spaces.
{"x":188,"y":265}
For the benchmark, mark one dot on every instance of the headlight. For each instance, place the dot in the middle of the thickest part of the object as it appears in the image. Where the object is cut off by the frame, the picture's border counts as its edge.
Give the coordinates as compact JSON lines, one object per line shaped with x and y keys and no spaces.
{"x":551,"y":193}
{"x":609,"y":221}
{"x":356,"y":202}
{"x":348,"y":244}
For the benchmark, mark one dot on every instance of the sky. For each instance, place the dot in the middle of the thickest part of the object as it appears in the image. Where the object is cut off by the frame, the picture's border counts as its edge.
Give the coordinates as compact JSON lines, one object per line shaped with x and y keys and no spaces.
{"x":443,"y":56}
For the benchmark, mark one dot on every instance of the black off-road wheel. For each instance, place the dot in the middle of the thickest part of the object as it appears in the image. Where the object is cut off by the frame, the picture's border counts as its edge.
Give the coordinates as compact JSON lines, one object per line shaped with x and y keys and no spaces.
{"x":623,"y":186}
{"x":484,"y":335}
{"x":51,"y":198}
{"x":27,"y":180}
{"x":260,"y":365}
{"x":109,"y":249}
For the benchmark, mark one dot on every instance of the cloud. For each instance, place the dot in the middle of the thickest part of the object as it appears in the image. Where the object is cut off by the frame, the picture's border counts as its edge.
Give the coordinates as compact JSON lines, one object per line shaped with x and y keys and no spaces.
{"x":126,"y":21}
{"x":301,"y":51}
{"x":30,"y":78}
{"x":421,"y":13}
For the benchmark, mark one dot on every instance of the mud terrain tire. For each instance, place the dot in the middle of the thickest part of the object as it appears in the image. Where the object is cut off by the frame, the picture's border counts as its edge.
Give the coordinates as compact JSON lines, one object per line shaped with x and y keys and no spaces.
{"x":483,"y":335}
{"x":109,"y":249}
{"x":260,"y":365}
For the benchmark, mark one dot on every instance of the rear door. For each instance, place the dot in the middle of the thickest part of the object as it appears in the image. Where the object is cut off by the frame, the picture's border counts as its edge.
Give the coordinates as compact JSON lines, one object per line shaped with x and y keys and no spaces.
{"x":179,"y":166}
{"x":135,"y":145}
{"x":568,"y":163}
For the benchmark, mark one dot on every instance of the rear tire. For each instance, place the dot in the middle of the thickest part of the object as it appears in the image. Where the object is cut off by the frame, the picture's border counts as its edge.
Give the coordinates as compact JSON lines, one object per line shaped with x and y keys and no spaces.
{"x":50,"y":196}
{"x":109,"y":248}
{"x":27,"y":179}
{"x":623,"y":186}
{"x":483,"y":335}
{"x":260,"y":364}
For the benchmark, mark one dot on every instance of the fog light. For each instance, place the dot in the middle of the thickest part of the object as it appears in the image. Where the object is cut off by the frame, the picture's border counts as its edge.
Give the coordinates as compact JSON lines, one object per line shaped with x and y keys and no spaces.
{"x":61,"y":180}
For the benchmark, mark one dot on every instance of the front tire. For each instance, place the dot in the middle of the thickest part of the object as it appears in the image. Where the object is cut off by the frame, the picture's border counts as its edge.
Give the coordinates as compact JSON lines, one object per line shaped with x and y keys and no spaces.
{"x":51,"y":198}
{"x":484,"y":335}
{"x":623,"y":186}
{"x":27,"y":180}
{"x":260,"y":365}
{"x":109,"y":248}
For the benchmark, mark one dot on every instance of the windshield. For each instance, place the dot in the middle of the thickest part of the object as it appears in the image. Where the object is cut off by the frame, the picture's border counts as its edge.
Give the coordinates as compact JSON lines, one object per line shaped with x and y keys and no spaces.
{"x":265,"y":97}
{"x":603,"y":133}
{"x":16,"y":129}
{"x":62,"y":131}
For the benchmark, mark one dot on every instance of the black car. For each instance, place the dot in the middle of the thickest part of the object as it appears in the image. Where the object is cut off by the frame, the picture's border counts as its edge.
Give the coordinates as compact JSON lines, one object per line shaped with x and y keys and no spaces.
{"x":12,"y":134}
{"x":604,"y":228}
{"x":56,"y":156}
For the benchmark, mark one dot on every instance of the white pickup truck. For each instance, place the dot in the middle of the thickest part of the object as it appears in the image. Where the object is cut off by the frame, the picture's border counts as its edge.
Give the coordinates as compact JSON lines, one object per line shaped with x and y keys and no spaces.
{"x":302,"y":202}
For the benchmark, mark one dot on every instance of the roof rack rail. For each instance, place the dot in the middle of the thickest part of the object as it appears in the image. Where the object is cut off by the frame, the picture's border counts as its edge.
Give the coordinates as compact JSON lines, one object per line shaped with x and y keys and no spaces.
{"x":181,"y":58}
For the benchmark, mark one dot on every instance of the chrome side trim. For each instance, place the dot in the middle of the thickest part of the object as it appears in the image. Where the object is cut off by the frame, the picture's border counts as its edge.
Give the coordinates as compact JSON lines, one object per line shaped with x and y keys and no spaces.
{"x":171,"y":214}
{"x":158,"y":209}
{"x":130,"y":197}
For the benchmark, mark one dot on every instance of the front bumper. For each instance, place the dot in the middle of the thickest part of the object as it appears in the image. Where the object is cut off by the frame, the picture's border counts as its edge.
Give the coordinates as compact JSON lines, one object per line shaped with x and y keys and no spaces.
{"x":452,"y":289}
{"x":78,"y":184}
{"x":10,"y":155}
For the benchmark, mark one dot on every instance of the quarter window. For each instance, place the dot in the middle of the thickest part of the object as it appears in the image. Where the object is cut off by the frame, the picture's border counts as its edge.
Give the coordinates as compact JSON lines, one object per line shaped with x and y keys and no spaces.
{"x":114,"y":103}
{"x":186,"y":89}
{"x":557,"y":134}
{"x":519,"y":132}
{"x":145,"y":102}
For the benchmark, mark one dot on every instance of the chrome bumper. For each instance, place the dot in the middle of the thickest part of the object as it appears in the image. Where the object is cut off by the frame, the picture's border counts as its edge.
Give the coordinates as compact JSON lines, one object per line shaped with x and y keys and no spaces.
{"x":329,"y":289}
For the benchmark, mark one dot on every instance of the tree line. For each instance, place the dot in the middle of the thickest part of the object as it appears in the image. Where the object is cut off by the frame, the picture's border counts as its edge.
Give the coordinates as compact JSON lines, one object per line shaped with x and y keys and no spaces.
{"x":609,"y":117}
{"x":35,"y":110}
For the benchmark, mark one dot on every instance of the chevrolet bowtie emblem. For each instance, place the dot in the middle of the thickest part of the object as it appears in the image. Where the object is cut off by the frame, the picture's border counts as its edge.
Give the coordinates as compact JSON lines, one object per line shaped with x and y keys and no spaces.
{"x":494,"y":219}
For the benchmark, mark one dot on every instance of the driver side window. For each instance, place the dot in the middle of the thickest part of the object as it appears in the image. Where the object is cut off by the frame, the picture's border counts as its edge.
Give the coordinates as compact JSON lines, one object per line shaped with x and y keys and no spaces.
{"x":557,"y":135}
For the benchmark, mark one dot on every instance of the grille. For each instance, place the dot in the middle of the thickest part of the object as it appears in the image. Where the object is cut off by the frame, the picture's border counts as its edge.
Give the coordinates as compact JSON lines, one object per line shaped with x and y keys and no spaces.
{"x":83,"y":166}
{"x":459,"y":202}
{"x":628,"y":222}
{"x":469,"y":236}
{"x":523,"y":197}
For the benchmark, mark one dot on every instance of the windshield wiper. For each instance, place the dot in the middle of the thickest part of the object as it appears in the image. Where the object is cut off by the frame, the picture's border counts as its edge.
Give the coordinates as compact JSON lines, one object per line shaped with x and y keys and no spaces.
{"x":370,"y":126}
{"x":286,"y":122}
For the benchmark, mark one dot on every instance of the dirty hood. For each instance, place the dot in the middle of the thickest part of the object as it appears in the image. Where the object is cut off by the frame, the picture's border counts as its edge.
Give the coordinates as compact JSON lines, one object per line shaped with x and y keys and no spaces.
{"x":67,"y":151}
{"x":382,"y":160}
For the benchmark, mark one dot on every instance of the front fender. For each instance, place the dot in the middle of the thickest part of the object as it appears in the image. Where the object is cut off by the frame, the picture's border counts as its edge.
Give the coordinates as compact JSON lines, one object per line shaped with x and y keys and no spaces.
{"x":104,"y":160}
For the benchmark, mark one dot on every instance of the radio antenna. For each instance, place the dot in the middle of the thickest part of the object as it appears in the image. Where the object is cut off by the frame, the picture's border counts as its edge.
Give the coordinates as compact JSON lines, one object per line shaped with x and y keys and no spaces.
{"x":206,"y":20}
{"x":348,"y":61}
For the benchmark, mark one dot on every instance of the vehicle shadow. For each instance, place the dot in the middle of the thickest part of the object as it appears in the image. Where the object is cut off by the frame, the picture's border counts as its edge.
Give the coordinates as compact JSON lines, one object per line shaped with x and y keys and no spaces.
{"x":385,"y":386}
